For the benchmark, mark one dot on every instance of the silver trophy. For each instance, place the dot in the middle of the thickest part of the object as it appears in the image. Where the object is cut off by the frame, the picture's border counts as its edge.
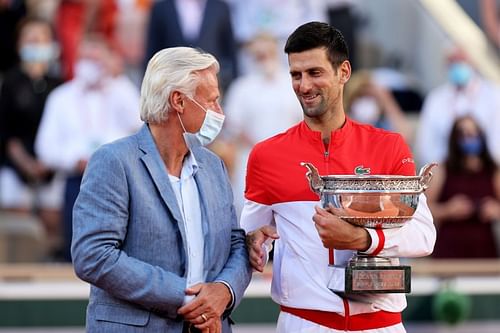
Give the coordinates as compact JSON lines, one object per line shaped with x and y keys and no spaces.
{"x":371,"y":201}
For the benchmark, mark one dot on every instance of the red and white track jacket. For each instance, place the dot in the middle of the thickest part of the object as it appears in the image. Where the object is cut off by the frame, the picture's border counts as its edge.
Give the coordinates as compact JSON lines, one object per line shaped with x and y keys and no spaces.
{"x":277,"y":191}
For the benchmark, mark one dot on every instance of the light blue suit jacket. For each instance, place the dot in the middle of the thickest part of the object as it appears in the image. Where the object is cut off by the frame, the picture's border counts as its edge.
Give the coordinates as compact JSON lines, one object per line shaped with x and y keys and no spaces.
{"x":129,"y":240}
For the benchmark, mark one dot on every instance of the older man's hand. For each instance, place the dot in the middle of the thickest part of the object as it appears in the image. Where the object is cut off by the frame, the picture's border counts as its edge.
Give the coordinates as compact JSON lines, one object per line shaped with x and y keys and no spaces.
{"x":206,"y":309}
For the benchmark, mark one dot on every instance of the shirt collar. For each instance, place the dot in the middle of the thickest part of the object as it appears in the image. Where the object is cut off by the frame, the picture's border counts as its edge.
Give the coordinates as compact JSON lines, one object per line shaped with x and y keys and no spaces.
{"x":337,"y":136}
{"x":189,"y":168}
{"x":190,"y":165}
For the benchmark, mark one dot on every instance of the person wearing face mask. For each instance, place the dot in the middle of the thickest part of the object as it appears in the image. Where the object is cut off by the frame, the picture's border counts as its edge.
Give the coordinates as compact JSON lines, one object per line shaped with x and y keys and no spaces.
{"x":26,"y":182}
{"x":465,"y":92}
{"x":155,"y":230}
{"x":465,"y":196}
{"x":80,"y":115}
{"x":370,"y":103}
{"x":263,"y":93}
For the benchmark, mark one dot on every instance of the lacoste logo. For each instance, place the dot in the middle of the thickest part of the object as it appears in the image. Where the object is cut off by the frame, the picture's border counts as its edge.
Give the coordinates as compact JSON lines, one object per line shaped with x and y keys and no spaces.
{"x":360,"y":170}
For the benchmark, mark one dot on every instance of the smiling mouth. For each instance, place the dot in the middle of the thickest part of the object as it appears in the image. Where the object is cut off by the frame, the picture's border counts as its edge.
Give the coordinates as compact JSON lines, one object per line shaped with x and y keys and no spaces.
{"x":309,"y":98}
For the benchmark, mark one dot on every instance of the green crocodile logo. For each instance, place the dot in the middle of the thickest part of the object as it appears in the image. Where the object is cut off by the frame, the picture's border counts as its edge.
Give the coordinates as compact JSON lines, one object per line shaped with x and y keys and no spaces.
{"x":360,"y":170}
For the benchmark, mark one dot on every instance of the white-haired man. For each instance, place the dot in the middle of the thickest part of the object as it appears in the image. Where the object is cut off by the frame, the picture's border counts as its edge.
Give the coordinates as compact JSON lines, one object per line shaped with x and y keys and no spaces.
{"x":155,"y":231}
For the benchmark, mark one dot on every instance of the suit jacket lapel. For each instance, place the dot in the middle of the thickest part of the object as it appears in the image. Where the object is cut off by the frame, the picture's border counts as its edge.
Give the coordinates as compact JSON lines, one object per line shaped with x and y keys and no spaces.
{"x":158,"y":172}
{"x":203,"y":182}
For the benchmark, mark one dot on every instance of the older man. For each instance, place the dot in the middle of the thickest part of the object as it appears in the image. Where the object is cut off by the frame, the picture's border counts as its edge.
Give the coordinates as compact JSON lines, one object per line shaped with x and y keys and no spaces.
{"x":155,"y":230}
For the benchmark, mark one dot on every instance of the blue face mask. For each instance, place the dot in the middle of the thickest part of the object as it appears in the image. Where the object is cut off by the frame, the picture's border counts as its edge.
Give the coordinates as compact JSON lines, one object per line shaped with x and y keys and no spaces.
{"x":471,"y":145}
{"x":37,"y":53}
{"x":459,"y":73}
{"x":209,"y":130}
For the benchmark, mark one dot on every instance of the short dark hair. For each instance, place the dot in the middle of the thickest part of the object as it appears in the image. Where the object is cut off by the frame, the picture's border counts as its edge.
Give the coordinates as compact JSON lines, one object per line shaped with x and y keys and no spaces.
{"x":318,"y":34}
{"x":455,"y":159}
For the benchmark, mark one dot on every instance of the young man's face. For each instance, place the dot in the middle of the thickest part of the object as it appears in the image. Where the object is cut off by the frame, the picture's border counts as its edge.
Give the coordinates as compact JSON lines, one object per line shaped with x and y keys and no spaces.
{"x":316,"y":83}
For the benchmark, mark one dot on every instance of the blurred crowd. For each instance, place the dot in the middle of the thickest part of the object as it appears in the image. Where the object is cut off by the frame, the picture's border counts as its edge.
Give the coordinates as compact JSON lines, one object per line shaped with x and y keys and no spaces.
{"x":70,"y":75}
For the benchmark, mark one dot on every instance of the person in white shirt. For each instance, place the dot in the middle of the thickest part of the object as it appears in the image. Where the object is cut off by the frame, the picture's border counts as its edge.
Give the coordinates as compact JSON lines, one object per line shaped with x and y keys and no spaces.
{"x":465,"y":93}
{"x":264,"y":92}
{"x":92,"y":109}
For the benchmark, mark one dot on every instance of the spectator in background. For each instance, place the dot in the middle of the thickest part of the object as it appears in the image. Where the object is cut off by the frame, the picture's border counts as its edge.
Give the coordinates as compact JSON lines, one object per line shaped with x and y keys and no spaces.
{"x":92,"y":109}
{"x":465,"y":196}
{"x":276,"y":17}
{"x":130,"y":33}
{"x":465,"y":93}
{"x":197,"y":23}
{"x":27,"y":183}
{"x":76,"y":18}
{"x":370,"y":103}
{"x":258,"y":105}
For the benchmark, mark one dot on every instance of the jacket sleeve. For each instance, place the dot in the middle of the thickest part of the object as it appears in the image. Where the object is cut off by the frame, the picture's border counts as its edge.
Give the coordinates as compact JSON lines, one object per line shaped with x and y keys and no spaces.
{"x":257,"y":211}
{"x":403,"y":162}
{"x":100,"y":219}
{"x":417,"y":236}
{"x":415,"y":239}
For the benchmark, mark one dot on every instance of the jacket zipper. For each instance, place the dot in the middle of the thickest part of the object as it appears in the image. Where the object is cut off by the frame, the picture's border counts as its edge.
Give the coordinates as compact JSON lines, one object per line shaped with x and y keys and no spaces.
{"x":326,"y":154}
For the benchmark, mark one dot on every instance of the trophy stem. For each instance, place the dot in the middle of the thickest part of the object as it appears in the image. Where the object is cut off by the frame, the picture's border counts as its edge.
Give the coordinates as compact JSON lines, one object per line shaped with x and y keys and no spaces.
{"x":363,"y":260}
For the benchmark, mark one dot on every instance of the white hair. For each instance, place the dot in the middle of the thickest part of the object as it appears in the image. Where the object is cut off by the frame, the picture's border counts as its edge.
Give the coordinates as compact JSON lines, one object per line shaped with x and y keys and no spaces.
{"x":171,"y":69}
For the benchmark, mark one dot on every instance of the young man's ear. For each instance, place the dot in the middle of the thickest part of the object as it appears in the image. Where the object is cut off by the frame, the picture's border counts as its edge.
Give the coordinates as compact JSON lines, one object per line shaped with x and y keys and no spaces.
{"x":345,"y":71}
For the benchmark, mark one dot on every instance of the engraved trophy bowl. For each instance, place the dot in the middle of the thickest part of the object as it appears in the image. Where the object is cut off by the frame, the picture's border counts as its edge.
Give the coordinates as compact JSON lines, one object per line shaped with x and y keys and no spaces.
{"x":371,"y":201}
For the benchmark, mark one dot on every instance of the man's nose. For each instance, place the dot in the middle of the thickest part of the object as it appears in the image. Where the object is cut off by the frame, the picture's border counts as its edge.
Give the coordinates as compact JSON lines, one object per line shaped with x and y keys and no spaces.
{"x":305,"y":85}
{"x":218,"y":108}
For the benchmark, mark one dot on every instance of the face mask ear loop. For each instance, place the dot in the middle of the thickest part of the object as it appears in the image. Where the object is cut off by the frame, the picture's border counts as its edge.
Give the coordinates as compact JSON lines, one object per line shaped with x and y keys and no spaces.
{"x":195,"y":102}
{"x":182,"y":125}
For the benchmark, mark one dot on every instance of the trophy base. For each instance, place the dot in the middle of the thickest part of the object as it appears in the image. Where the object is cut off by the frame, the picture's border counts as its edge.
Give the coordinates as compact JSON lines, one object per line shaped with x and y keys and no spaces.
{"x":388,"y":279}
{"x":360,"y":278}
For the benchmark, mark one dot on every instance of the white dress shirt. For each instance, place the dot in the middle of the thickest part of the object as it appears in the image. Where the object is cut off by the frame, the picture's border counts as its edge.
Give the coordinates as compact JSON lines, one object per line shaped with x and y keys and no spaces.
{"x":76,"y":121}
{"x":186,"y":192}
{"x":277,"y":104}
{"x":480,"y":99}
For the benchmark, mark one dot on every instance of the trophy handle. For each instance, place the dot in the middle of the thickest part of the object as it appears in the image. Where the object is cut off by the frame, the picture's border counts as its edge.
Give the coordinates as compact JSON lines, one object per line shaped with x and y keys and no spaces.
{"x":315,"y":182}
{"x":425,"y":175}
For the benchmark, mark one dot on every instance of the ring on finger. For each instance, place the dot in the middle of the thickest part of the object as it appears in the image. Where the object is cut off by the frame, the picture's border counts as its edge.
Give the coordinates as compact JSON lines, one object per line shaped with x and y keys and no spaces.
{"x":204,"y":317}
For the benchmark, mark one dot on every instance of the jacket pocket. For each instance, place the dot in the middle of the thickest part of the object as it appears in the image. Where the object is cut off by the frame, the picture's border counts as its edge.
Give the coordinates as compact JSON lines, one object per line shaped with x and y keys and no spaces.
{"x":121,"y":315}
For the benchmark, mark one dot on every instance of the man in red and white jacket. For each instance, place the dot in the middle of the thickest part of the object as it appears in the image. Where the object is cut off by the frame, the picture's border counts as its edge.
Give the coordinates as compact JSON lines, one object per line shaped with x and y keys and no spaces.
{"x":280,"y":205}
